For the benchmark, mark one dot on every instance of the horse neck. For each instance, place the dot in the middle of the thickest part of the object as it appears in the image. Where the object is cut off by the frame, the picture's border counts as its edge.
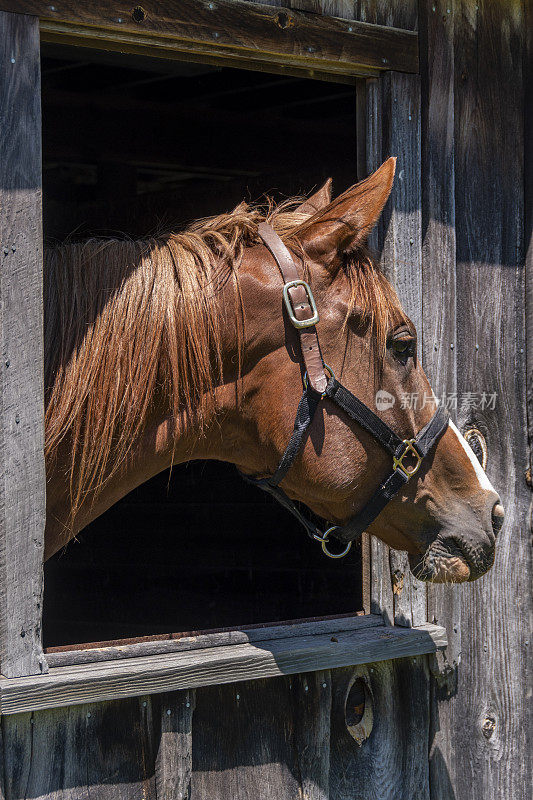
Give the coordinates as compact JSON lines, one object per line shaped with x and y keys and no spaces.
{"x":171,"y":432}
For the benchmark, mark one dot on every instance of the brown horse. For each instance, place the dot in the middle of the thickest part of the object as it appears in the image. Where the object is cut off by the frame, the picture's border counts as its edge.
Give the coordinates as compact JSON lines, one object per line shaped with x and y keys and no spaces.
{"x":169,"y":349}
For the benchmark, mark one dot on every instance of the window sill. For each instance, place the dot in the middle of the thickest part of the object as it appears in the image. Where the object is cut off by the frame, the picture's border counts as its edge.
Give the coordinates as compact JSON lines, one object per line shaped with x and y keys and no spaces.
{"x":133,"y":677}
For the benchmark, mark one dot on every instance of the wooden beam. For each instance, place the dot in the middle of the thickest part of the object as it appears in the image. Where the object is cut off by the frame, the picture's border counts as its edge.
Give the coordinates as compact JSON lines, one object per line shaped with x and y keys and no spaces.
{"x":88,"y":683}
{"x":393,"y":129}
{"x":439,"y":348}
{"x":22,"y":482}
{"x":228,"y":32}
{"x":113,"y":651}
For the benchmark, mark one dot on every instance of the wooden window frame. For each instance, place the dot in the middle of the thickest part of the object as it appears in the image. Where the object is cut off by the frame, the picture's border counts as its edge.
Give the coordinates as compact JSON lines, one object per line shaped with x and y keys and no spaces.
{"x":382,"y":63}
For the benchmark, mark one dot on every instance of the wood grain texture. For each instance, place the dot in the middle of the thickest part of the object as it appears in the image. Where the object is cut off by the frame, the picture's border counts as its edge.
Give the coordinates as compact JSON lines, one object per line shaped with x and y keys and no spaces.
{"x":22,"y":482}
{"x":380,"y":12}
{"x":87,"y":655}
{"x":401,"y":260}
{"x":246,"y":749}
{"x":393,"y":128}
{"x":263,"y":739}
{"x":311,"y":698}
{"x":392,"y":763}
{"x":102,"y":751}
{"x":438,"y":260}
{"x":528,"y":228}
{"x":229,"y":32}
{"x":480,"y":740}
{"x":173,"y":765}
{"x":217,"y":665}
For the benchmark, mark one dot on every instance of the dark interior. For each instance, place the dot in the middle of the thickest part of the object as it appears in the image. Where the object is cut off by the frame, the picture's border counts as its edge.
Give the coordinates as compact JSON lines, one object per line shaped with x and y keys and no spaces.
{"x":132,"y":147}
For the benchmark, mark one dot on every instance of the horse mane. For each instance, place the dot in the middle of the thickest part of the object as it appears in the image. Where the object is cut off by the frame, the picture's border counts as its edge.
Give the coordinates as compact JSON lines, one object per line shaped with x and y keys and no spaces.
{"x":126,"y":320}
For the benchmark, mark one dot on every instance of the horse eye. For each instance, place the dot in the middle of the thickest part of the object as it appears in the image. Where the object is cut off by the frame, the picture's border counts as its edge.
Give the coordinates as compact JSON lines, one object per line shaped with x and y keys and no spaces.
{"x":403,"y":347}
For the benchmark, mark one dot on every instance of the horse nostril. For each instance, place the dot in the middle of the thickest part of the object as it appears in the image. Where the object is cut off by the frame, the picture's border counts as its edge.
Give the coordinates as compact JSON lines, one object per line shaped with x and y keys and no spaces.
{"x":498,"y":515}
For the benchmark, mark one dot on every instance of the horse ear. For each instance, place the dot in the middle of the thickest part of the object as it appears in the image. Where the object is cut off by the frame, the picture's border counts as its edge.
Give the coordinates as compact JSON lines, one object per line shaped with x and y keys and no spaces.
{"x":318,"y":200}
{"x":346,"y":222}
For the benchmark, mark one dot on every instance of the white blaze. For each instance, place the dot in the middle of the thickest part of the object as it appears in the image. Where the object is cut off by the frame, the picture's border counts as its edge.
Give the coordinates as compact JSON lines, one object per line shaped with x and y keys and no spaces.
{"x":478,"y":469}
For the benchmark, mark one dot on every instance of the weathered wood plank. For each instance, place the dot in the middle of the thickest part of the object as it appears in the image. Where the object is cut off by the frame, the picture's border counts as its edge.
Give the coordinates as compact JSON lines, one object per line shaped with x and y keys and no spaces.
{"x":82,"y":654}
{"x":392,"y":763}
{"x":381,"y":12}
{"x":173,"y":765}
{"x":243,"y":742}
{"x":393,"y":128}
{"x":228,"y":32}
{"x":22,"y":483}
{"x":528,"y":185}
{"x":384,"y":12}
{"x":311,"y":694}
{"x":101,"y":751}
{"x":217,"y":665}
{"x":438,"y":259}
{"x":401,"y":259}
{"x":381,"y":597}
{"x":266,"y":739}
{"x":480,"y":741}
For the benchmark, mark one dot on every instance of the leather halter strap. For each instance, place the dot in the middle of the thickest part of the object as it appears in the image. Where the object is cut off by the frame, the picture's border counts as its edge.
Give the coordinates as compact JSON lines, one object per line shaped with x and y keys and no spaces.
{"x":301,"y":307}
{"x":302,"y":311}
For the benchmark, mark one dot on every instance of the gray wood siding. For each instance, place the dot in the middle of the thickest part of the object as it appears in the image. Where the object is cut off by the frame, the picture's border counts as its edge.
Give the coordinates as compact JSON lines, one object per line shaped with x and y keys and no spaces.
{"x":473,"y":150}
{"x":286,"y":736}
{"x":22,"y":482}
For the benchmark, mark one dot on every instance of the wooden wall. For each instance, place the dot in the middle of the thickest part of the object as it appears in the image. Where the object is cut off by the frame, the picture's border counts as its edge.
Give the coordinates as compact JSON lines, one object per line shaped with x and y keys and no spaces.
{"x":288,"y":736}
{"x":22,"y":477}
{"x":473,"y":170}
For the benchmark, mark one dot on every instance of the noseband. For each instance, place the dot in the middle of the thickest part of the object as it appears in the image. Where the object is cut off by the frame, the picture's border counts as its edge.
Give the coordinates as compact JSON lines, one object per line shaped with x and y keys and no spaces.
{"x":319,"y":383}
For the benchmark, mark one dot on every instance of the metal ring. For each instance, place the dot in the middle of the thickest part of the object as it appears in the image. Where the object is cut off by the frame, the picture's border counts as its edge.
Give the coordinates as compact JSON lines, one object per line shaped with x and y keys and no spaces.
{"x":324,"y":540}
{"x":326,"y":369}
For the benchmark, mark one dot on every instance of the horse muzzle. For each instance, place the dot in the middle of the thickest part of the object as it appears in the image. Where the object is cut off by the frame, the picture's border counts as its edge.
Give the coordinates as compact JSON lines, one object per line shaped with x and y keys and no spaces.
{"x":456,"y":557}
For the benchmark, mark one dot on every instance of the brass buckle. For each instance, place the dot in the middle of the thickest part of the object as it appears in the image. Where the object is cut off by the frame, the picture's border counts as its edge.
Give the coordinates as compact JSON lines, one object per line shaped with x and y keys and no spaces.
{"x":324,"y":541}
{"x":300,"y":323}
{"x":409,"y":449}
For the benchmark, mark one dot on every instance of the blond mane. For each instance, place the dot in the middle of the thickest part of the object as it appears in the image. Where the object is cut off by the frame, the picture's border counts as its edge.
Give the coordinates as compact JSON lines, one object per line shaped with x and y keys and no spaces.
{"x":126,"y":319}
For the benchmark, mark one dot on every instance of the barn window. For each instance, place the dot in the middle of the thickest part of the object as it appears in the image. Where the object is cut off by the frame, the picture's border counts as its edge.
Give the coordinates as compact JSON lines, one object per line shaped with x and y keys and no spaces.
{"x":142,"y":146}
{"x":195,"y":576}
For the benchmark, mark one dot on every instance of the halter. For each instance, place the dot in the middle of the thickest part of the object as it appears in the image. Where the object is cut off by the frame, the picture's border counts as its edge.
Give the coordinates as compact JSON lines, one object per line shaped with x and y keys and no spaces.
{"x":320,"y":382}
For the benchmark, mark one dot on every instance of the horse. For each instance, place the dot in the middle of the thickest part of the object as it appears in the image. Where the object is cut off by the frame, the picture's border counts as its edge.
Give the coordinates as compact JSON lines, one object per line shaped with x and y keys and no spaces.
{"x":181,"y":347}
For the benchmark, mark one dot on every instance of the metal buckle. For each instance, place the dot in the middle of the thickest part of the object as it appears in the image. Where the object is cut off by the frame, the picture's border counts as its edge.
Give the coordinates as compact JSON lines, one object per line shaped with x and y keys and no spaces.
{"x":409,"y":448}
{"x":300,"y":323}
{"x":324,"y":540}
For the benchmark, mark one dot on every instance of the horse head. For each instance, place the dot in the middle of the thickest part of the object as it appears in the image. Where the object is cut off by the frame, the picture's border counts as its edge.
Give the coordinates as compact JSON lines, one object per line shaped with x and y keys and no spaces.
{"x":447,"y":515}
{"x":186,"y":346}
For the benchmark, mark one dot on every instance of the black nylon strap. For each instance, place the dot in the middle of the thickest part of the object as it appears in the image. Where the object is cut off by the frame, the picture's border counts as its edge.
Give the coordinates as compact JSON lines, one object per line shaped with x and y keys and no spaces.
{"x":429,"y":434}
{"x":286,"y":502}
{"x":359,"y":413}
{"x":373,"y":508}
{"x":304,"y":416}
{"x":364,"y":417}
